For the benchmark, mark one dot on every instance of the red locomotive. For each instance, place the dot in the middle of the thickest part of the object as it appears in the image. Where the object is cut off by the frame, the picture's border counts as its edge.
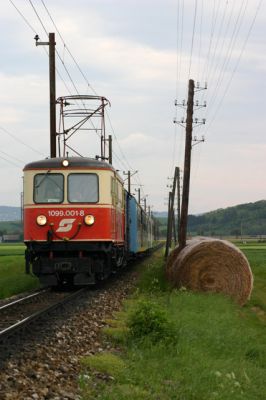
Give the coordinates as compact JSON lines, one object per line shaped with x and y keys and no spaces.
{"x":80,"y":224}
{"x":74,"y":218}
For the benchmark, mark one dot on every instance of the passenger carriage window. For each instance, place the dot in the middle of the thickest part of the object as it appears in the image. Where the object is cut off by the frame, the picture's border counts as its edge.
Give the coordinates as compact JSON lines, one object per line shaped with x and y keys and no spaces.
{"x":48,"y":188}
{"x":83,"y":188}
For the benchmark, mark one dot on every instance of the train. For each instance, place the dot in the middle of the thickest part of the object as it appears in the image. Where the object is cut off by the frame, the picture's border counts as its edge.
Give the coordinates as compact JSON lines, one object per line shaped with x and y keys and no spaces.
{"x":80,"y":223}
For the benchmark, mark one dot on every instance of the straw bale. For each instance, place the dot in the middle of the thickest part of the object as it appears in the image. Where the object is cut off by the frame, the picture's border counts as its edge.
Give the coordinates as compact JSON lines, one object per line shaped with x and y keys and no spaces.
{"x":211,"y":265}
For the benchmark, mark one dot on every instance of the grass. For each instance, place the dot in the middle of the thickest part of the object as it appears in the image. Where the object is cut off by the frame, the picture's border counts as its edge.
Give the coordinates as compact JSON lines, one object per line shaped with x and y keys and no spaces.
{"x":11,"y":249}
{"x":208,"y":347}
{"x":13,"y":279}
{"x":257,"y":259}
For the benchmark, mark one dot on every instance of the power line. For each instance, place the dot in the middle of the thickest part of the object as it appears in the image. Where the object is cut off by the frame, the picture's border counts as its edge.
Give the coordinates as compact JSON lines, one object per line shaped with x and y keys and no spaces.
{"x":10,"y":162}
{"x":37,"y":15}
{"x":68,"y":50}
{"x":193,"y":34}
{"x":20,"y":141}
{"x":22,"y":16}
{"x":83,"y":75}
{"x":229,"y":53}
{"x":238,"y":61}
{"x":126,"y":164}
{"x":11,"y":156}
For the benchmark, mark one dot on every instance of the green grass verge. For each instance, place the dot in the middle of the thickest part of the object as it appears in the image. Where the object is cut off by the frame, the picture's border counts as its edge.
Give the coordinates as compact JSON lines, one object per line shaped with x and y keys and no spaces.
{"x":181,"y":345}
{"x":13,"y":279}
{"x":257,"y":259}
{"x":12,"y":249}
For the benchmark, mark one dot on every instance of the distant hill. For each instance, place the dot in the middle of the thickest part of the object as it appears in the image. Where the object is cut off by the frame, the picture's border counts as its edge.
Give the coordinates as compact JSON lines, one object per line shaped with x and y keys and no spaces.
{"x":10,"y":213}
{"x":160,"y":214}
{"x":245,"y":219}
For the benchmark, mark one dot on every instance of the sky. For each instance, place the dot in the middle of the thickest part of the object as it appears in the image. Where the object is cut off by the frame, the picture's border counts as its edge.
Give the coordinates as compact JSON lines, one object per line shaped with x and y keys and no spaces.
{"x":140,"y":56}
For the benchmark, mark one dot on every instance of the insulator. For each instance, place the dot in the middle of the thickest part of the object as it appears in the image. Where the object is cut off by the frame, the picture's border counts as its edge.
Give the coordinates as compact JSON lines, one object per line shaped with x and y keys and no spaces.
{"x":175,"y":102}
{"x":205,"y":85}
{"x":197,"y":85}
{"x":174,"y":120}
{"x":184,"y":102}
{"x":204,"y":120}
{"x":205,"y":104}
{"x":197,"y":103}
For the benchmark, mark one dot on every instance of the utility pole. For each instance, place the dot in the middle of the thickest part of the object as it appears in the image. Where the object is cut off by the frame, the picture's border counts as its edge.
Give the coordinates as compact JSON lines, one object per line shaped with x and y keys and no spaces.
{"x":51,"y":45}
{"x":187,"y":164}
{"x":128,"y":182}
{"x":178,"y":204}
{"x":171,"y":225}
{"x":174,"y":224}
{"x":139,"y":195}
{"x":110,"y":149}
{"x":169,"y":228}
{"x":128,"y":178}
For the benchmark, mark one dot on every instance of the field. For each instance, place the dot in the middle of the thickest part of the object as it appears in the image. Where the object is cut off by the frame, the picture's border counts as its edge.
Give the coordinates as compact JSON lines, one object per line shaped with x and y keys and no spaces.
{"x":171,"y":344}
{"x":181,"y":345}
{"x":13,"y":279}
{"x":256,"y":254}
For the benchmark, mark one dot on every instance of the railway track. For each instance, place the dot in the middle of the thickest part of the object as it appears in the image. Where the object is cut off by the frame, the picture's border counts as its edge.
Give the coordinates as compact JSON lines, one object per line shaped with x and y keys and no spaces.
{"x":17,"y":315}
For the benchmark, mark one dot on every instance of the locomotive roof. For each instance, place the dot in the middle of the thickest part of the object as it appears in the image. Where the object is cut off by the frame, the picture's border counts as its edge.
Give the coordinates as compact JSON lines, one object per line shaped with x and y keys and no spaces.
{"x":74,"y":162}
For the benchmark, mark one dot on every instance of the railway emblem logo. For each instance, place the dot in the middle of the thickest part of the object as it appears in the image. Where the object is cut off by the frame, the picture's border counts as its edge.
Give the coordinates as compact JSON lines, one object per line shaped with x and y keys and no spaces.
{"x":65,"y":225}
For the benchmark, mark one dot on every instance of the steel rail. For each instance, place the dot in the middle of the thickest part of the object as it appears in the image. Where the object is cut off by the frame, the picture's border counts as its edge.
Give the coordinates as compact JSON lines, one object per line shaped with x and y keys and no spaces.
{"x":12,"y":329}
{"x":12,"y":303}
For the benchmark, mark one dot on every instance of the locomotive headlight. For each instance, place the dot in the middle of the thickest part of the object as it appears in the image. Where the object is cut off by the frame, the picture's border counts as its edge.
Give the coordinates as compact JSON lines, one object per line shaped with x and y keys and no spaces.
{"x":65,"y":163}
{"x":41,"y":220}
{"x":89,"y":219}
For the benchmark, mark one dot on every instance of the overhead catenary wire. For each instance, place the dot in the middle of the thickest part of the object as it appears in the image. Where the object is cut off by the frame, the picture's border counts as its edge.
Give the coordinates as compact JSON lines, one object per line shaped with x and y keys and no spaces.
{"x":67,"y":49}
{"x":62,"y":60}
{"x":87,"y":82}
{"x":20,"y":141}
{"x":12,"y":156}
{"x":22,"y":16}
{"x":10,"y":162}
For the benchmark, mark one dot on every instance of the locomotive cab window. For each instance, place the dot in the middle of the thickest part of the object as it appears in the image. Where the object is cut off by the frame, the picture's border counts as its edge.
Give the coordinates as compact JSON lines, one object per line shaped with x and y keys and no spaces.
{"x":83,"y":188}
{"x":48,"y":188}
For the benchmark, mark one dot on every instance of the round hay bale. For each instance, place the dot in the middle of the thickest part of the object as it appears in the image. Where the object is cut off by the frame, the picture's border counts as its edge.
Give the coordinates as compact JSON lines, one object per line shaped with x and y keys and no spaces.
{"x":211,"y":265}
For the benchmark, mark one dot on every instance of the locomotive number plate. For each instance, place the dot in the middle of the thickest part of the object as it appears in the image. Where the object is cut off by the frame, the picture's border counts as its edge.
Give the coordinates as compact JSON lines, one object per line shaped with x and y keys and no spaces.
{"x":66,"y":213}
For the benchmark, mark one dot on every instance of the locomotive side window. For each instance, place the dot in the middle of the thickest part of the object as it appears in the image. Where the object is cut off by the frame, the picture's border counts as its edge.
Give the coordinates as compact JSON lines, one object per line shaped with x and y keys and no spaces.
{"x":114,"y":191}
{"x":48,"y":188}
{"x":83,"y":188}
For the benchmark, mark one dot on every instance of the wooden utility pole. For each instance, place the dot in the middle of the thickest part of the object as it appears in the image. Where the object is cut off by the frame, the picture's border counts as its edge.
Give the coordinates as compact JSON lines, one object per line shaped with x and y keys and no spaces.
{"x":128,"y":182}
{"x":171,"y":214}
{"x":110,"y":149}
{"x":169,"y":226}
{"x":187,"y":163}
{"x":178,"y":204}
{"x":51,"y":45}
{"x":52,"y":95}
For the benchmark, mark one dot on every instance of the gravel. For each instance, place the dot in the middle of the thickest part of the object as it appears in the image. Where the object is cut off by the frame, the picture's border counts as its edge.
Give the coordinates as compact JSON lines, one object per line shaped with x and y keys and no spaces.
{"x":44,"y":363}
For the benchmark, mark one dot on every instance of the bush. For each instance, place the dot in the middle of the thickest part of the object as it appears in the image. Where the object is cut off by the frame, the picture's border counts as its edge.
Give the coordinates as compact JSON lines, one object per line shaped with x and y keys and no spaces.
{"x":149,"y":320}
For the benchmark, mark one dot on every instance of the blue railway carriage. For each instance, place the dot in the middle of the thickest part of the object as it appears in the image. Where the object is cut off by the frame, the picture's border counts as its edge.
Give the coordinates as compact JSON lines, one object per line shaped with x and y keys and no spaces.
{"x":139,"y":227}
